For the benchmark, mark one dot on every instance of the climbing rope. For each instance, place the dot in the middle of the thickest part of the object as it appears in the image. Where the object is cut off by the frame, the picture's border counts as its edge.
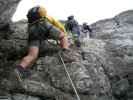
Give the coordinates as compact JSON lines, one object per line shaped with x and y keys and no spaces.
{"x":75,"y":90}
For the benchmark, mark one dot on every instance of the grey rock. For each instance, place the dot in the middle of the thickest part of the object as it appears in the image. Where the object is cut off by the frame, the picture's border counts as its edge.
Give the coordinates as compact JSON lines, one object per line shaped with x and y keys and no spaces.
{"x":24,"y":97}
{"x":120,"y":88}
{"x":18,"y":97}
{"x":118,"y":45}
{"x":49,"y":78}
{"x":8,"y":8}
{"x":100,"y":70}
{"x":125,"y":17}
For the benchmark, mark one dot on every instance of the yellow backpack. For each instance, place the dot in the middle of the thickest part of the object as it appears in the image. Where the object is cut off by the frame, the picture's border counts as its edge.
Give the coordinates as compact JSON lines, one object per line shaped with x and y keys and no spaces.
{"x":57,"y":24}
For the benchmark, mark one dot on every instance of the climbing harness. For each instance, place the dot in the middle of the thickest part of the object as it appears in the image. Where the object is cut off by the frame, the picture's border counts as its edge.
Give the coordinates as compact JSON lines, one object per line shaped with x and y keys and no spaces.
{"x":75,"y":90}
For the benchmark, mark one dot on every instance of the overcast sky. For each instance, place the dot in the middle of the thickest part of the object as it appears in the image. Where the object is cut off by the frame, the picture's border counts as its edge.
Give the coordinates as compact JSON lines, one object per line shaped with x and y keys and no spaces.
{"x":84,"y":10}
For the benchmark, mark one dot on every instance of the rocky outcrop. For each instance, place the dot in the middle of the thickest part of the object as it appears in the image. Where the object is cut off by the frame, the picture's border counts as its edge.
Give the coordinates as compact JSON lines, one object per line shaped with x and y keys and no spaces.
{"x":117,"y":33}
{"x":7,"y":9}
{"x":88,"y":69}
{"x":100,"y":70}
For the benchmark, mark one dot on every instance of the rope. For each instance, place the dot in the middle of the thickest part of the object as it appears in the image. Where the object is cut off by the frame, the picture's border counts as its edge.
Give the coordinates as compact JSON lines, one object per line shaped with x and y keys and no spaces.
{"x":77,"y":95}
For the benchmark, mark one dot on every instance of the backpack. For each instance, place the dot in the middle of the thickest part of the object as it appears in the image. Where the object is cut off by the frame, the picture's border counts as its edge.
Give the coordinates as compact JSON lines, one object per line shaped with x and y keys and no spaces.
{"x":33,"y":17}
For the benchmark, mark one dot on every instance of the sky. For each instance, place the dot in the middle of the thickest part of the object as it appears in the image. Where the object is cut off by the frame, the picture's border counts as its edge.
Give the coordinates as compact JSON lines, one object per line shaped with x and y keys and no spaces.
{"x":88,"y":11}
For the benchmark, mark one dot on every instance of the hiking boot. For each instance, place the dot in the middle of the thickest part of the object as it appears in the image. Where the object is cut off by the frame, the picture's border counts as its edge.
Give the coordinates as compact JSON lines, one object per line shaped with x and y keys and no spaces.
{"x":21,"y":73}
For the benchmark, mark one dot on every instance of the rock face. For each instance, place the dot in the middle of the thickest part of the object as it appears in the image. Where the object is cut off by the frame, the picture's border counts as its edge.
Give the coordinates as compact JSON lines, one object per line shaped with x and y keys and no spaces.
{"x":100,"y":70}
{"x":117,"y":33}
{"x":7,"y":9}
{"x":49,"y":80}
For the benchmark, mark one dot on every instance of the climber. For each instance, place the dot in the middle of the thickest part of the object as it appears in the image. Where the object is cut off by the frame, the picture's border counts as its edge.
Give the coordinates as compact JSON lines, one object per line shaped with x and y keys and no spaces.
{"x":72,"y":26}
{"x":40,"y":27}
{"x":86,"y":29}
